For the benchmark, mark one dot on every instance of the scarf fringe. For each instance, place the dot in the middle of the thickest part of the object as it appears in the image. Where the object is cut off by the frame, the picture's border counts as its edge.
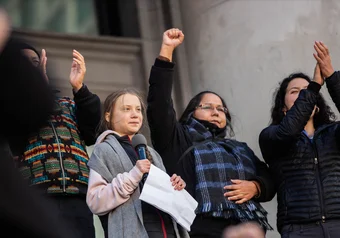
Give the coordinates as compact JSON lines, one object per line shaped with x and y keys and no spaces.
{"x":245,"y":212}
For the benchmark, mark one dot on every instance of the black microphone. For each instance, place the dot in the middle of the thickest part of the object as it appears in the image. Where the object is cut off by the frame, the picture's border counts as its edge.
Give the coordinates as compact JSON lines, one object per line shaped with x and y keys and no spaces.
{"x":139,"y":143}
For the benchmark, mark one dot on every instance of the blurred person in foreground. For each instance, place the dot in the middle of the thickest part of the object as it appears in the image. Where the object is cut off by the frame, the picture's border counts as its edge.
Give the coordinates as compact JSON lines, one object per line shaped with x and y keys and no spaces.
{"x":26,"y":101}
{"x":244,"y":230}
{"x":55,"y":157}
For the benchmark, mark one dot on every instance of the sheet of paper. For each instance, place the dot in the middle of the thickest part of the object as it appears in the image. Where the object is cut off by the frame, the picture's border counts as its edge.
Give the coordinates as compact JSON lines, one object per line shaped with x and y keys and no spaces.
{"x":159,"y":192}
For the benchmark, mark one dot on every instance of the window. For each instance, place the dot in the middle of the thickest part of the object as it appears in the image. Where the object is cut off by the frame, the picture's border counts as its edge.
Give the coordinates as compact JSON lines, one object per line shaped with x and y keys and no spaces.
{"x":87,"y":17}
{"x":66,"y":16}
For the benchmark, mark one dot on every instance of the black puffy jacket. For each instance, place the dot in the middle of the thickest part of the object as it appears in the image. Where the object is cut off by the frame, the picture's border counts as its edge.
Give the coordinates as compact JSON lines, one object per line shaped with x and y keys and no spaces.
{"x":306,"y":172}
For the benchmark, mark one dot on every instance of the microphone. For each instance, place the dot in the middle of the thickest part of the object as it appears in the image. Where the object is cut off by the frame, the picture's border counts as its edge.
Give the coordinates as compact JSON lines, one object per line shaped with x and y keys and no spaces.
{"x":139,"y":143}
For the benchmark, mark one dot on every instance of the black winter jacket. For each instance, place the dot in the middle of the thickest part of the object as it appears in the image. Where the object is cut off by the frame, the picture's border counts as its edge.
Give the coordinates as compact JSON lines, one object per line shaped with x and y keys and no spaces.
{"x":306,"y":172}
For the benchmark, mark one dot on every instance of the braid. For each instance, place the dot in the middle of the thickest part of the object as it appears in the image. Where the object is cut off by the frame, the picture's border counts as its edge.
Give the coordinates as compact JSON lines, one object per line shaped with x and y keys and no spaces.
{"x":148,"y":155}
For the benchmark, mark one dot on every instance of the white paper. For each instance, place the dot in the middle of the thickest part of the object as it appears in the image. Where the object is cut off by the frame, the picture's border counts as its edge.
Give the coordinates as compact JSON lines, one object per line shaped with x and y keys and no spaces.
{"x":159,"y":192}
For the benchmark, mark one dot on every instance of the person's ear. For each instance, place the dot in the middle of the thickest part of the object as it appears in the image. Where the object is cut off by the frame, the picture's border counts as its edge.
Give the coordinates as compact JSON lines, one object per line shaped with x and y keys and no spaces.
{"x":284,"y":110}
{"x":107,"y":117}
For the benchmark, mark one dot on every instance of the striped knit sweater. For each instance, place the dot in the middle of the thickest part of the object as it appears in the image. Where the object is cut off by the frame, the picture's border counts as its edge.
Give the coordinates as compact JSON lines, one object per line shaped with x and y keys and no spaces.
{"x":56,"y":156}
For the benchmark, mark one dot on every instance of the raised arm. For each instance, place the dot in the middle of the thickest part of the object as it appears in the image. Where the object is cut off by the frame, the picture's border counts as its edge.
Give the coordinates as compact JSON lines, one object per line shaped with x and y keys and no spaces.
{"x":295,"y":119}
{"x":279,"y":137}
{"x":87,"y":104}
{"x":160,"y":112}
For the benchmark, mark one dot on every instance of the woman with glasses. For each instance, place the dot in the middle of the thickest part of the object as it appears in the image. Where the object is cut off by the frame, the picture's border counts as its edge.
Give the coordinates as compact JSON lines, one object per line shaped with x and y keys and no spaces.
{"x":223,"y":175}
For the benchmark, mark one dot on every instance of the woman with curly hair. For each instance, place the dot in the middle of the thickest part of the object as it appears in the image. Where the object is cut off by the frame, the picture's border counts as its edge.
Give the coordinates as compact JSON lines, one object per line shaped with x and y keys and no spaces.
{"x":301,"y":147}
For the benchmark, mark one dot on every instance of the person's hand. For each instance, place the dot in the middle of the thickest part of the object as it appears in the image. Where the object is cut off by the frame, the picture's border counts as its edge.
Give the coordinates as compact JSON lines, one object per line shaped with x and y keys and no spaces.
{"x":177,"y":182}
{"x":317,"y":75}
{"x":4,"y":28}
{"x":171,"y":39}
{"x":240,"y":191}
{"x":143,"y":165}
{"x":42,"y":63}
{"x":78,"y":71}
{"x":323,"y":57}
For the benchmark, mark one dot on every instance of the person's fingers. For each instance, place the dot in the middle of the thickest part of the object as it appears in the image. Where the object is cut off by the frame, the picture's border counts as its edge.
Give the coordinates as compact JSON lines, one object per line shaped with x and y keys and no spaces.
{"x":173,"y":177}
{"x":325,"y":47}
{"x":78,"y":54}
{"x":181,"y":35}
{"x":318,"y":59}
{"x":43,"y":53}
{"x":79,"y":57}
{"x":232,"y":187}
{"x":322,"y":47}
{"x":232,"y":193}
{"x":318,"y":50}
{"x":236,"y":181}
{"x":180,"y":185}
{"x":176,"y":180}
{"x":241,"y":201}
{"x":236,"y":197}
{"x":77,"y":61}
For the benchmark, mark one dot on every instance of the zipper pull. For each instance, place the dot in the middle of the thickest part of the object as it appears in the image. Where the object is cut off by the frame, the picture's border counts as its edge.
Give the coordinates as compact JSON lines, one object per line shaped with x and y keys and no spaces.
{"x":316,"y":160}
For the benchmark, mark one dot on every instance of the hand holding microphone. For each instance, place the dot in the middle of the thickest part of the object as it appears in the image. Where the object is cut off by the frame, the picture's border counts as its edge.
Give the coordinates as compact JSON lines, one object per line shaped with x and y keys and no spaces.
{"x":143,"y":166}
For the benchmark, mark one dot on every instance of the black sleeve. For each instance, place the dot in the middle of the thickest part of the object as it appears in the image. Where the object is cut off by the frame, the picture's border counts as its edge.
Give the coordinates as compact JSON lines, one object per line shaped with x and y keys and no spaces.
{"x":333,"y":86}
{"x":186,"y":169}
{"x":160,"y":111}
{"x":26,"y":100}
{"x":88,"y":113}
{"x":275,"y":137}
{"x":264,"y":178}
{"x":168,"y":136}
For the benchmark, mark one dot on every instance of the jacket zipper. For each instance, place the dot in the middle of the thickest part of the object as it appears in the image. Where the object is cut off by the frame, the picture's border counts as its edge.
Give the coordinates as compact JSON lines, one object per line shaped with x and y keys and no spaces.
{"x":60,"y":159}
{"x":317,"y":172}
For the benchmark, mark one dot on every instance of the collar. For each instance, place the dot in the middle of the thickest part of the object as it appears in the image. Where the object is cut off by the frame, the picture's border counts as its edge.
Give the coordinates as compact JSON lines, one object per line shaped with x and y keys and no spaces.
{"x":212,"y":128}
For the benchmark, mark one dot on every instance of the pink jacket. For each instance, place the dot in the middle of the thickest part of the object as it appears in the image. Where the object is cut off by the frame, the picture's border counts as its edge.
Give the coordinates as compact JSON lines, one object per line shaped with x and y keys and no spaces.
{"x":102,"y":197}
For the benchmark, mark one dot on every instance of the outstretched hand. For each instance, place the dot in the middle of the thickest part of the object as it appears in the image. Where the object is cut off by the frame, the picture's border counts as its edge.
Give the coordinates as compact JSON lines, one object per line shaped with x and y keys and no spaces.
{"x":78,"y":71}
{"x":323,"y":58}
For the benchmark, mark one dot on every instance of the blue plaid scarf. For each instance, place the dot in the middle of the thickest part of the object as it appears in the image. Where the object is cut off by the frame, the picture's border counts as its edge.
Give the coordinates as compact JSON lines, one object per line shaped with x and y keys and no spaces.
{"x":217,"y":161}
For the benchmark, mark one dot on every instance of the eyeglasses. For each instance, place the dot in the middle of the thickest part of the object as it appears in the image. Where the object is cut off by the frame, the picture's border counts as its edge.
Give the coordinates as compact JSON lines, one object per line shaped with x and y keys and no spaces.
{"x":210,"y":107}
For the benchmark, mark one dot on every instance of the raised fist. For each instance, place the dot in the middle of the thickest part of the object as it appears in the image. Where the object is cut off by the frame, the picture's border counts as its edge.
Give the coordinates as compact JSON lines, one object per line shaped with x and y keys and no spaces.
{"x":173,"y":37}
